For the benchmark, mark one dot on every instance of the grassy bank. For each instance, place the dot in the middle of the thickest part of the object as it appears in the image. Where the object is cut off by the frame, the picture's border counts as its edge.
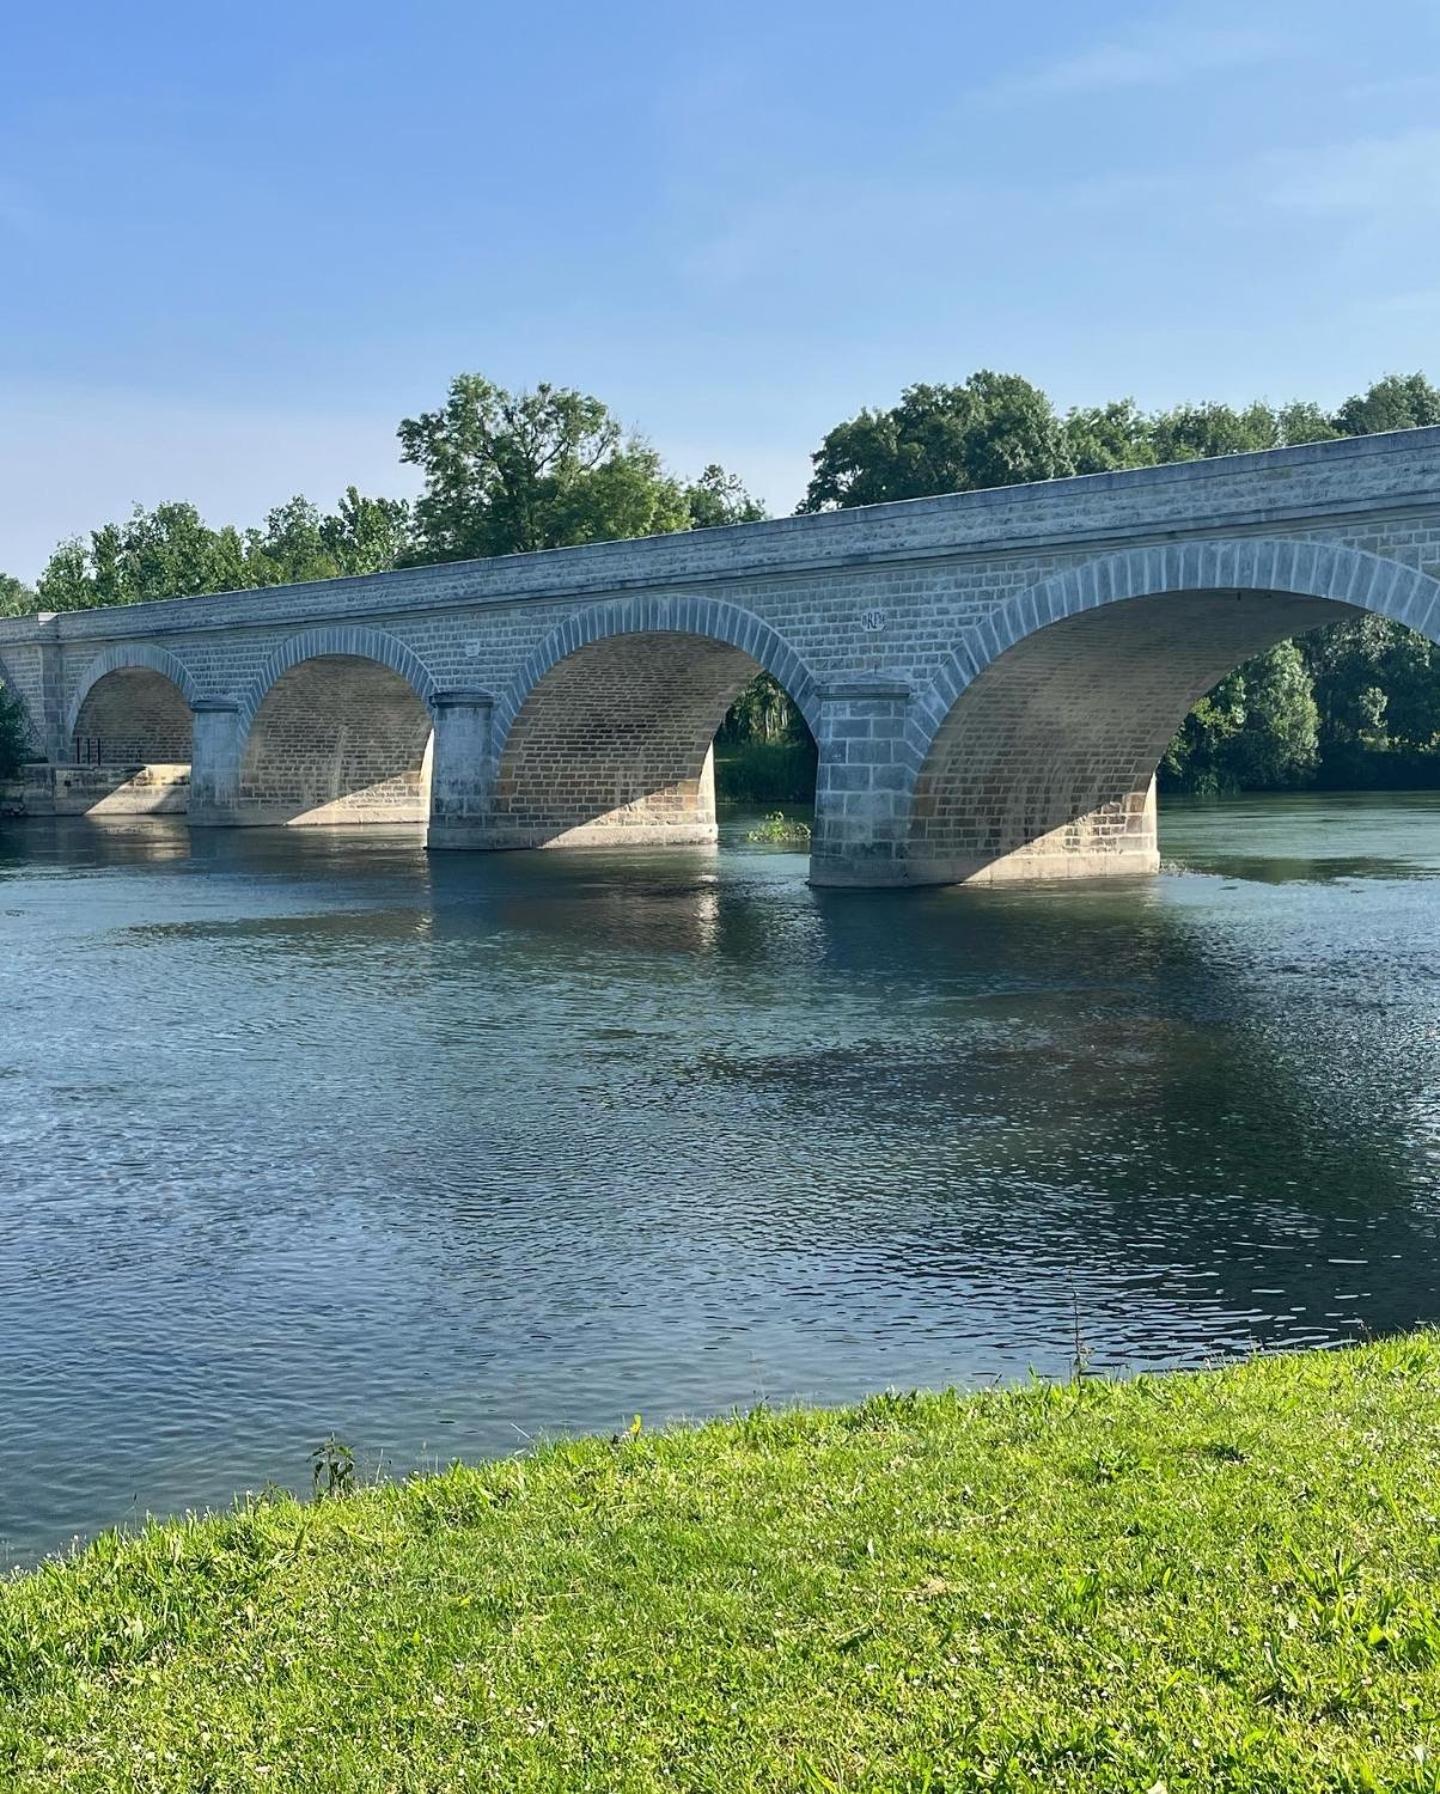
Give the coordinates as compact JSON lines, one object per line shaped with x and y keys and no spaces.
{"x":1222,"y":1581}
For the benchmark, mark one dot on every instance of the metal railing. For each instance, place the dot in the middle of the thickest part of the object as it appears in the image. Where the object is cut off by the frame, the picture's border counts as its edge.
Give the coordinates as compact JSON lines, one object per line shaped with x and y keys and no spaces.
{"x":96,"y":750}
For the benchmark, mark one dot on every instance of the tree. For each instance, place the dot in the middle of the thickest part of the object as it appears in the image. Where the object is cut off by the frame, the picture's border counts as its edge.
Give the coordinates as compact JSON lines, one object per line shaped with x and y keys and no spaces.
{"x":163,"y":553}
{"x":366,"y":535}
{"x":506,"y":473}
{"x":992,"y":430}
{"x":717,"y":498}
{"x":1102,"y":438}
{"x":290,"y":549}
{"x":1258,"y":729}
{"x":1196,"y":432}
{"x":16,"y":598}
{"x":1398,"y":402}
{"x":14,"y":734}
{"x":1279,"y":744}
{"x":171,"y":552}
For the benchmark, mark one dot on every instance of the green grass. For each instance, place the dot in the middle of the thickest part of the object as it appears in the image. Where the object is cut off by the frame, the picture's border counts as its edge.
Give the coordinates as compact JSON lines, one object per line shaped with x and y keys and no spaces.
{"x":1219,"y":1581}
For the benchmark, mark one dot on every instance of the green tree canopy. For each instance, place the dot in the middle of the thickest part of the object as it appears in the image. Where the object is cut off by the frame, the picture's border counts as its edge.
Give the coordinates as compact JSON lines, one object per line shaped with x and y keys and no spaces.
{"x":16,"y":598}
{"x":717,"y":498}
{"x":990,"y":430}
{"x":14,"y":734}
{"x":507,"y":473}
{"x":171,"y":552}
{"x":1398,"y":402}
{"x":366,"y":535}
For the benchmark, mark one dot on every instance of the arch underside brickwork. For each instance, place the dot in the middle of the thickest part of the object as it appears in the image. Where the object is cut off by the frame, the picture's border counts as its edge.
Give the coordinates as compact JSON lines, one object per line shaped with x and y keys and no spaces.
{"x":336,"y":739}
{"x":133,"y":716}
{"x":1054,"y":715}
{"x":1045,"y":766}
{"x":131,"y":738}
{"x":612,"y":745}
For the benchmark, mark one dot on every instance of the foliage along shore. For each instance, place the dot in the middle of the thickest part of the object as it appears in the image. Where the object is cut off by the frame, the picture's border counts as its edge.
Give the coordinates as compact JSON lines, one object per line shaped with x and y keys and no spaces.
{"x":1223,"y":1580}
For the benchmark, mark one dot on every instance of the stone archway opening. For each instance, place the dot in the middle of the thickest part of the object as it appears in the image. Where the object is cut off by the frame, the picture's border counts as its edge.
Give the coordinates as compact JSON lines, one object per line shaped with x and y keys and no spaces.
{"x":133,"y":716}
{"x":130,"y":748}
{"x":1044,"y":766}
{"x":615,"y":744}
{"x":338,"y":740}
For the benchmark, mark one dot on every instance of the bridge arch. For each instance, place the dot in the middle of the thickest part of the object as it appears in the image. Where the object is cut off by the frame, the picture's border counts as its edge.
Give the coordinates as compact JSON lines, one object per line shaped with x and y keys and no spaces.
{"x":336,"y":728}
{"x":1033,"y":752}
{"x":131,"y":705}
{"x":605,"y":734}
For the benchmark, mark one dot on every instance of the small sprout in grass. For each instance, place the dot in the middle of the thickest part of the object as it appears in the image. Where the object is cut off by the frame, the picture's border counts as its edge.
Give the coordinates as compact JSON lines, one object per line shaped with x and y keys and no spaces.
{"x":1080,"y":1348}
{"x":332,"y":1468}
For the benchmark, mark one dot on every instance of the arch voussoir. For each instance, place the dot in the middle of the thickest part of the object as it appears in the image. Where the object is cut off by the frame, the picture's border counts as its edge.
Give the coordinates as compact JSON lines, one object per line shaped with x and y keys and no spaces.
{"x":706,"y":619}
{"x":350,"y":640}
{"x":123,"y":656}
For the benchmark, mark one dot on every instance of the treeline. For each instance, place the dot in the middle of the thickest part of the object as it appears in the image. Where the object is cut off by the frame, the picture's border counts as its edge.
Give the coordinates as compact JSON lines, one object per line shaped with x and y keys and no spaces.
{"x":502,"y":473}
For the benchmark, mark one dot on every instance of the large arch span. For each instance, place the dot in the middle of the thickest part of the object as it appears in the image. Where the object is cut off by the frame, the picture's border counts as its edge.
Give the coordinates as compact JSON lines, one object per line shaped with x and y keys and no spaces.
{"x":131,"y":706}
{"x":336,"y":730}
{"x":1033,"y":754}
{"x":605,"y":738}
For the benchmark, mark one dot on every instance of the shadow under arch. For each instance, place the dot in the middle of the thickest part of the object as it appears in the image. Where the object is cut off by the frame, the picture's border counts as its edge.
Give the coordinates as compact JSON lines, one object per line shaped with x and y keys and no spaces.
{"x":336,"y":729}
{"x":1034,"y":751}
{"x":604,"y":737}
{"x":131,"y":706}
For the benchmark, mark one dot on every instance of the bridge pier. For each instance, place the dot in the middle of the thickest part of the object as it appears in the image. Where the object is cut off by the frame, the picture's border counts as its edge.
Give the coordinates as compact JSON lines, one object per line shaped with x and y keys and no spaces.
{"x":462,"y":771}
{"x":861,"y":784}
{"x":215,"y":763}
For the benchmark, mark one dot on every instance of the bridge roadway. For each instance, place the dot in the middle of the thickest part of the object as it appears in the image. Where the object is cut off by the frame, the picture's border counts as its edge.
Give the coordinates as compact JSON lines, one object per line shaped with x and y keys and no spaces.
{"x":990,"y":677}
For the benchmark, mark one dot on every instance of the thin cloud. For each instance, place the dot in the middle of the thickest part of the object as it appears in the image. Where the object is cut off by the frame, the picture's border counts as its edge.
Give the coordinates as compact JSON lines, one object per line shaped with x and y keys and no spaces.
{"x":1368,"y":177}
{"x":1162,"y":57}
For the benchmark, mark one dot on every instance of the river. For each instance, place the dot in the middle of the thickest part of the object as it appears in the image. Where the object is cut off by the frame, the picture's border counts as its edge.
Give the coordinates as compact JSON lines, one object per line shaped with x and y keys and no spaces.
{"x":307,"y":1133}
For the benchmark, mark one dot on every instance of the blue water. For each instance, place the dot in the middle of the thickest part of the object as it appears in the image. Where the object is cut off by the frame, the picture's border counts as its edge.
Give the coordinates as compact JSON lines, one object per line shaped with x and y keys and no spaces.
{"x":305,"y":1133}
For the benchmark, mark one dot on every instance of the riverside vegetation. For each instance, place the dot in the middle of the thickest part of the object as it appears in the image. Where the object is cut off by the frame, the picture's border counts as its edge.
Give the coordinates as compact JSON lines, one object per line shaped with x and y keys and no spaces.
{"x":1353,"y":706}
{"x":1205,"y":1581}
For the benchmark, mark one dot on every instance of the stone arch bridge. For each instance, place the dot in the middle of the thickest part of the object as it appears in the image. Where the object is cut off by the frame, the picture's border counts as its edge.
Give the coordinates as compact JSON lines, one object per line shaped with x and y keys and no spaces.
{"x":990,"y":677}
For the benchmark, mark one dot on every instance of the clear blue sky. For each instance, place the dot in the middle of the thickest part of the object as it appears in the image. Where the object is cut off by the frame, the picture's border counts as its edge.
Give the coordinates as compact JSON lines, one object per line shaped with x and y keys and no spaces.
{"x":239,"y":242}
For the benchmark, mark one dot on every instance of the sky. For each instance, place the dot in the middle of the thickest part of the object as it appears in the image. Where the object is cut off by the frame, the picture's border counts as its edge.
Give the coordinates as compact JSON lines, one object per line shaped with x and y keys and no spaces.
{"x":239,"y":242}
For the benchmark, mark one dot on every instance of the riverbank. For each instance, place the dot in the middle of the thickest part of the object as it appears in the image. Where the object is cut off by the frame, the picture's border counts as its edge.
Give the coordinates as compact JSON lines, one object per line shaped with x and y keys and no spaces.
{"x":1223,"y":1580}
